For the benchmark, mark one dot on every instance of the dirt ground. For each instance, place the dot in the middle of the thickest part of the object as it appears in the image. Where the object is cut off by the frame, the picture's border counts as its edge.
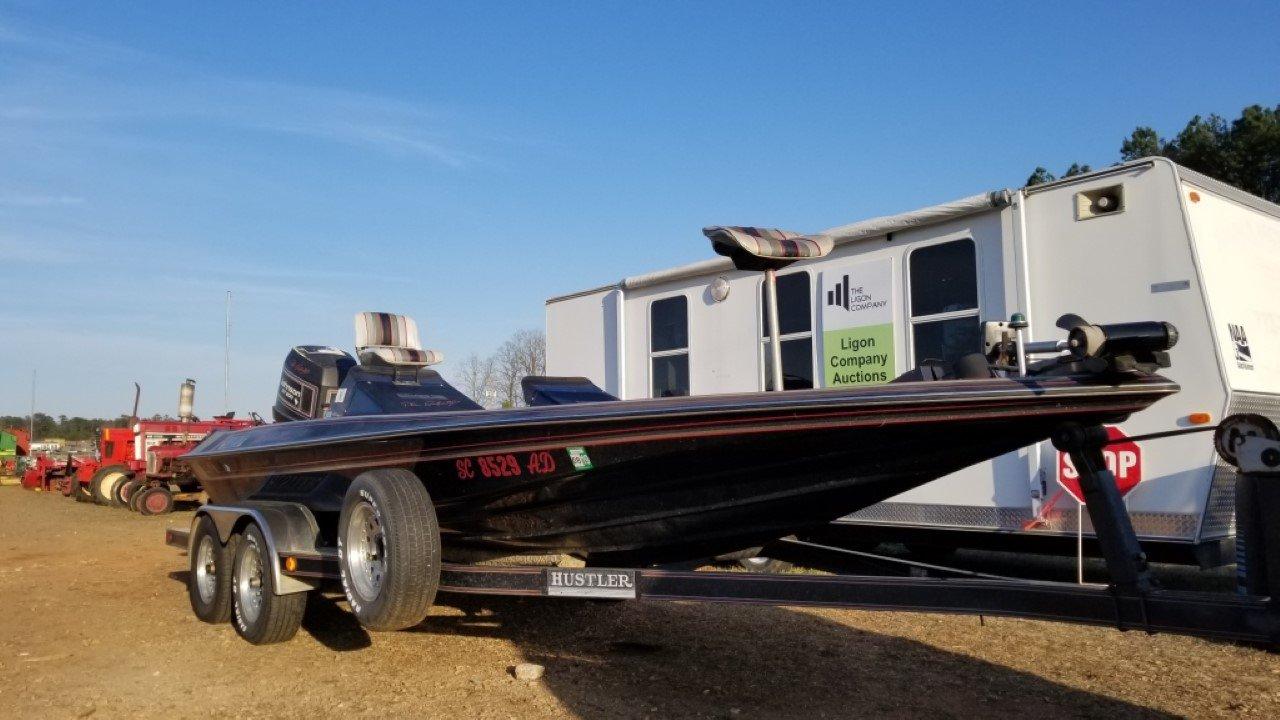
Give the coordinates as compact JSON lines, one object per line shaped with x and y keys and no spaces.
{"x":94,"y":622}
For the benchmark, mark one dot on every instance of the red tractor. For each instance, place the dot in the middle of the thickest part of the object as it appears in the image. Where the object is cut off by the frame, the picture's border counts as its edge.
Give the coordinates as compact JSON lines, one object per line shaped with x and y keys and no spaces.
{"x":140,"y":467}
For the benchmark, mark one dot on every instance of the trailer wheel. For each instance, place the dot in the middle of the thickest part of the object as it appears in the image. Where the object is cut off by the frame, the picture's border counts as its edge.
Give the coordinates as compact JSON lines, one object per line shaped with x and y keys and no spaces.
{"x":389,"y":549}
{"x":103,"y":482}
{"x":761,"y":564}
{"x":260,"y":615}
{"x":209,"y":584}
{"x":155,"y":501}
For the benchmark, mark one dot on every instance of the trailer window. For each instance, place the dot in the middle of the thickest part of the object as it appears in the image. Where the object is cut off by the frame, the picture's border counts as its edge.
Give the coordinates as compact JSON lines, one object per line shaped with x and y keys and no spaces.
{"x":944,"y":301}
{"x":669,"y":346}
{"x":795,"y":326}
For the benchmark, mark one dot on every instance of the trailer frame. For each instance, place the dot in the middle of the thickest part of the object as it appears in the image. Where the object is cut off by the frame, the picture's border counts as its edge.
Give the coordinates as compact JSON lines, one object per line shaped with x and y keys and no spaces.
{"x":1131,"y":601}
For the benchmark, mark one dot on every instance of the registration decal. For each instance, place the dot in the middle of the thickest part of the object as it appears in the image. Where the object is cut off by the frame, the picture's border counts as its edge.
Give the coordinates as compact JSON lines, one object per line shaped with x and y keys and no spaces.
{"x":580,"y":459}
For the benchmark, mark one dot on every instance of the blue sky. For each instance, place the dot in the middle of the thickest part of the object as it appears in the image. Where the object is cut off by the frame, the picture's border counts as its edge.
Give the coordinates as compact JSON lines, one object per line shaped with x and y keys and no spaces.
{"x":461,"y":165}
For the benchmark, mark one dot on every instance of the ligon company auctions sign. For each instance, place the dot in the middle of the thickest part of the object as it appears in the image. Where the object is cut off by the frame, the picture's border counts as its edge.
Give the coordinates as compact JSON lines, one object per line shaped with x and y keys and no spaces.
{"x":857,"y":324}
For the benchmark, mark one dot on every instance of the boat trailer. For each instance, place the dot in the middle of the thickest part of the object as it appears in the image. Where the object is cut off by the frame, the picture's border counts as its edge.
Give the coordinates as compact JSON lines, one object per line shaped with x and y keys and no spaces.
{"x":1132,"y":600}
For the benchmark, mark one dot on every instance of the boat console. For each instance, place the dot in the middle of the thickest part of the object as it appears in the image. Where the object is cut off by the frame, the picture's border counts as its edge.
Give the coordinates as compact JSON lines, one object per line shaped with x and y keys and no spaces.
{"x":392,"y":375}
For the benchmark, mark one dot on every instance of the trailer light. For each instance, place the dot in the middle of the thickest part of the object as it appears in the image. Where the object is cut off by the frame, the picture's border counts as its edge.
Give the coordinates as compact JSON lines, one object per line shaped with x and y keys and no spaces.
{"x":1199,"y":418}
{"x":719,"y":289}
{"x":290,"y":564}
{"x":1194,"y":196}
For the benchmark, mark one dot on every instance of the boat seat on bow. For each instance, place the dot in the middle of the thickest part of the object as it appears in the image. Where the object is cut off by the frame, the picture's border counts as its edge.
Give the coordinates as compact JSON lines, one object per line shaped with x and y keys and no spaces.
{"x":392,"y":340}
{"x":753,"y":248}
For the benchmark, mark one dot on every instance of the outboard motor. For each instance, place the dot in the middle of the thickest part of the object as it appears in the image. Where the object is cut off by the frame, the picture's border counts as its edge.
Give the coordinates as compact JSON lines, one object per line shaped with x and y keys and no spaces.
{"x":309,"y":382}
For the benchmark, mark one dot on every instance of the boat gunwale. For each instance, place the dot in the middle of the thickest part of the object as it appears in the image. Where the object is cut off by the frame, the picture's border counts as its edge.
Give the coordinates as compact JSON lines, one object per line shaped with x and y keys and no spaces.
{"x":939,"y":393}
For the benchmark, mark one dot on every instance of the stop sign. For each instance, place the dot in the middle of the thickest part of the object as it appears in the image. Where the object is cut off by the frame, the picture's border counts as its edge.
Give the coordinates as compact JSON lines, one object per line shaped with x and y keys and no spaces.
{"x":1124,"y":460}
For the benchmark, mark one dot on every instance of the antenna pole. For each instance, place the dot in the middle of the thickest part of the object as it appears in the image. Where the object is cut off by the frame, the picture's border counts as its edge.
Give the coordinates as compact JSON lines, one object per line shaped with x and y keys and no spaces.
{"x":226,"y":367}
{"x":31,"y":422}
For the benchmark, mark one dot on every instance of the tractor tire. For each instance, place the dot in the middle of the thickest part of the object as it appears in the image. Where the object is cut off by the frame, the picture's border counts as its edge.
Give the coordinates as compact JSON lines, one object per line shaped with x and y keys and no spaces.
{"x":103,"y":483}
{"x":155,"y":501}
{"x":209,"y":584}
{"x":136,"y":497}
{"x":260,"y":615}
{"x":82,"y":493}
{"x":389,"y":549}
{"x":120,"y":493}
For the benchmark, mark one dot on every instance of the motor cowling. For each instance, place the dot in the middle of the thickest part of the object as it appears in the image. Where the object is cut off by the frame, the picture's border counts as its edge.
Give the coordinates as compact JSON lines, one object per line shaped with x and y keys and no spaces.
{"x":309,"y":381}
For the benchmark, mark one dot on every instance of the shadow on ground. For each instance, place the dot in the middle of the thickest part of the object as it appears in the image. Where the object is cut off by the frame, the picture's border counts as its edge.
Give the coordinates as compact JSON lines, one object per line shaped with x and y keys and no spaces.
{"x":681,"y":660}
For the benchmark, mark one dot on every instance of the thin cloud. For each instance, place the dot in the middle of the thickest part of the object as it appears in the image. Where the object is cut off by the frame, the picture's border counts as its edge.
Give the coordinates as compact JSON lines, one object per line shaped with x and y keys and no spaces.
{"x":74,"y":79}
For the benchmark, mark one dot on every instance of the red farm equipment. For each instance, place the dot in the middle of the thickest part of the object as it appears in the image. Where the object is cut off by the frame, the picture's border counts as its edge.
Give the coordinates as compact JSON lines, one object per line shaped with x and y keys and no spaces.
{"x":140,"y":467}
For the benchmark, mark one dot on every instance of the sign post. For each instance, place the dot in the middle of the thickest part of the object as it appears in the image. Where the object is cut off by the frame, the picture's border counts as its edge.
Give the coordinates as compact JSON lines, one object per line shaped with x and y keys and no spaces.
{"x":1123,"y":459}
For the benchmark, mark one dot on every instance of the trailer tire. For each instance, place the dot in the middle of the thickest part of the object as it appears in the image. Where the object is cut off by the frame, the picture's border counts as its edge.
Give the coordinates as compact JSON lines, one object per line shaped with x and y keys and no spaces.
{"x":155,"y":501}
{"x":102,"y":484}
{"x":260,"y":615}
{"x":762,"y":564}
{"x":389,"y":549}
{"x":209,"y":584}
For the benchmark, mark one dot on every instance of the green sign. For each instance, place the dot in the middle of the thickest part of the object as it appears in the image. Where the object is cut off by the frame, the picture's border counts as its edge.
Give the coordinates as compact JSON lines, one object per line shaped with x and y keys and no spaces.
{"x":858,"y":356}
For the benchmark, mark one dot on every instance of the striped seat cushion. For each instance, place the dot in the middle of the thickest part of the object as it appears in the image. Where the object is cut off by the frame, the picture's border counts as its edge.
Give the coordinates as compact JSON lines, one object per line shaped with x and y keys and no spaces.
{"x":755,"y":248}
{"x":389,"y":329}
{"x":387,"y":355}
{"x":390,"y":339}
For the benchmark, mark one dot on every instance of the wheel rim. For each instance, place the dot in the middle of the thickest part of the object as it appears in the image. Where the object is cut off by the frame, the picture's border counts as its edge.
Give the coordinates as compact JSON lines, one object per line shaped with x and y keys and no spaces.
{"x":155,"y":501}
{"x":365,"y":551}
{"x":206,"y":570}
{"x":109,"y":484}
{"x":249,"y":581}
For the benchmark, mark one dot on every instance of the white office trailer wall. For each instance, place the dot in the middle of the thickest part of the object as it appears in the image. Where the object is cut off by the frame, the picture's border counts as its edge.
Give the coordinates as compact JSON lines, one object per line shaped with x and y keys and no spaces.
{"x":1180,"y":247}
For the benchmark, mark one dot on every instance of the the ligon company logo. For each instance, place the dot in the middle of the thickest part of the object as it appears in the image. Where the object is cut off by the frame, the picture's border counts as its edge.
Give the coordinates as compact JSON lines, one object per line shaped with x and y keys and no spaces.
{"x":851,"y":298}
{"x":1244,"y":356}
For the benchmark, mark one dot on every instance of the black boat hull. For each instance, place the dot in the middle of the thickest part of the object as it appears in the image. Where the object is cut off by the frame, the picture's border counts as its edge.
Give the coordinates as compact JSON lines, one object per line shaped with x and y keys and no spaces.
{"x":663,"y":479}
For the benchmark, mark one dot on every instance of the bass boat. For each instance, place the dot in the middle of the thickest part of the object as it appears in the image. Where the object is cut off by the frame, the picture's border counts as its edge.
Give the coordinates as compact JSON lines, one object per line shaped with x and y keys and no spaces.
{"x":578,"y":471}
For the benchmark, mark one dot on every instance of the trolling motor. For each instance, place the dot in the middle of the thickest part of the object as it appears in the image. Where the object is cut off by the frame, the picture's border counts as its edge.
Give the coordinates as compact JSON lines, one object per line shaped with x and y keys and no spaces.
{"x":1140,"y":347}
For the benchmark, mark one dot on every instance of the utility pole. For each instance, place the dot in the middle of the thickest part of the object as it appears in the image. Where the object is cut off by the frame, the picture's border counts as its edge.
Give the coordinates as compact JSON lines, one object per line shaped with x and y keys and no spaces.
{"x":226,"y":363}
{"x":31,"y":421}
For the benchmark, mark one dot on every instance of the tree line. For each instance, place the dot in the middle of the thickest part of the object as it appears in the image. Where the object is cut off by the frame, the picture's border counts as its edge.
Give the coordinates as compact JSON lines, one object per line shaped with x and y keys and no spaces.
{"x":1244,"y":152}
{"x":494,"y":380}
{"x":66,"y":428}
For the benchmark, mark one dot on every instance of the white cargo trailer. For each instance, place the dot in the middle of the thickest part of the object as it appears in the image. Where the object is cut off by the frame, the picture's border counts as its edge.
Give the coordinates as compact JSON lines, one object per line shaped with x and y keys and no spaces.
{"x":1144,"y":240}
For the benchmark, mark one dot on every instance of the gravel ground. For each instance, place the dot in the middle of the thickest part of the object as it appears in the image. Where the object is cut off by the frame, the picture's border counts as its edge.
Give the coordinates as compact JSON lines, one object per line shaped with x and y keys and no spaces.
{"x":94,"y":622}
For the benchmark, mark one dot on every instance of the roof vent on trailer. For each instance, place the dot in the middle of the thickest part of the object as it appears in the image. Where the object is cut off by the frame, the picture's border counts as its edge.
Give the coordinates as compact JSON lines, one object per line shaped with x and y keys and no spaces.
{"x":1102,"y":201}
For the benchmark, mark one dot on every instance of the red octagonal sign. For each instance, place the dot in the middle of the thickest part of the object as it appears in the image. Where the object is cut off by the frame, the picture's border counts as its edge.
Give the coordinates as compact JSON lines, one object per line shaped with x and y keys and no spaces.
{"x":1123,"y":459}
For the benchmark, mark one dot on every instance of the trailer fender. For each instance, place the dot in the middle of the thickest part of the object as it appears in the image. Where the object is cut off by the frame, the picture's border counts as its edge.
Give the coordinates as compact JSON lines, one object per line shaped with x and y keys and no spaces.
{"x":286,"y":527}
